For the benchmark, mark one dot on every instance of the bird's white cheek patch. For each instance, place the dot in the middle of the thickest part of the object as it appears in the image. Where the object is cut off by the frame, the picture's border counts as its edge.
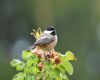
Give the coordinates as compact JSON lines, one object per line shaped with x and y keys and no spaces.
{"x":48,"y":32}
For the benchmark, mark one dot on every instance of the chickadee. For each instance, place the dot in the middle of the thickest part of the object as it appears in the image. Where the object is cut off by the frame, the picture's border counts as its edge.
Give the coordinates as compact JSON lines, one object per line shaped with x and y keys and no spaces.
{"x":48,"y":40}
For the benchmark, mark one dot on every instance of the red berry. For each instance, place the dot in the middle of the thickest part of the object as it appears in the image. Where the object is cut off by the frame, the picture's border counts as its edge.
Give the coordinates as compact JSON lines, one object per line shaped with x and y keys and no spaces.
{"x":48,"y":55}
{"x":56,"y":58}
{"x":40,"y":65}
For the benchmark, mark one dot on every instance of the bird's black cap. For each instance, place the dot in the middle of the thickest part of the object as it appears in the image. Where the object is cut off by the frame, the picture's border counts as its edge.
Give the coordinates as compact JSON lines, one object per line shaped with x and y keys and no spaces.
{"x":50,"y":28}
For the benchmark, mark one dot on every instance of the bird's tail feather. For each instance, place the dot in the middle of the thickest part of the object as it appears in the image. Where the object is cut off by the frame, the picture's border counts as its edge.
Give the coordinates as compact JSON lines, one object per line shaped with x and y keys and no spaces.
{"x":30,"y":48}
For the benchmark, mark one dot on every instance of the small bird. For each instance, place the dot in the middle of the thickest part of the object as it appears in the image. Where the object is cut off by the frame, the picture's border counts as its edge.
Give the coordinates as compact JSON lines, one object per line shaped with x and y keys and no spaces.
{"x":48,"y":40}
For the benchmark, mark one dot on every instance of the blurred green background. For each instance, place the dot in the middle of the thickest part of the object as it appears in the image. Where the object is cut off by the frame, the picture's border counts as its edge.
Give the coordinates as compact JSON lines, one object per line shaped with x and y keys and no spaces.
{"x":78,"y":27}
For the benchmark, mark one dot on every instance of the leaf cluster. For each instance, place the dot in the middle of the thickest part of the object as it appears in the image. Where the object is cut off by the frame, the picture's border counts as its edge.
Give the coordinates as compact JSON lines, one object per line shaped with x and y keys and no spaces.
{"x":35,"y":68}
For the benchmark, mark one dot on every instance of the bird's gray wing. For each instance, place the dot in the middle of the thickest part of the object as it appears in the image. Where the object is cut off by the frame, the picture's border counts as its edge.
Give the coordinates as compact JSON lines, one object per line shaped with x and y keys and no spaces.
{"x":43,"y":41}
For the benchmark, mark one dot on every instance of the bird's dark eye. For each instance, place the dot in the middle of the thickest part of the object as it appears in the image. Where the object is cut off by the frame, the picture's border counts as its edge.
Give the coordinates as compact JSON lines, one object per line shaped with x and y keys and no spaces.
{"x":50,"y":28}
{"x":53,"y":32}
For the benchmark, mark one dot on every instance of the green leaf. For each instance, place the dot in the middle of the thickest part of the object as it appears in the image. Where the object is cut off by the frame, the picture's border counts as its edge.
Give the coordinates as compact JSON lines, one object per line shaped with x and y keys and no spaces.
{"x":54,"y":75}
{"x":57,"y":74}
{"x":61,"y":69}
{"x":68,"y":67}
{"x":28,"y":70}
{"x":29,"y":62}
{"x":28,"y":77}
{"x":32,"y":77}
{"x":19,"y":76}
{"x":35,"y":70}
{"x":64,"y":76}
{"x":31,"y":70}
{"x":47,"y":66}
{"x":70,"y":56}
{"x":26,"y":55}
{"x":32,"y":61}
{"x":20,"y":66}
{"x":15,"y":62}
{"x":35,"y":61}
